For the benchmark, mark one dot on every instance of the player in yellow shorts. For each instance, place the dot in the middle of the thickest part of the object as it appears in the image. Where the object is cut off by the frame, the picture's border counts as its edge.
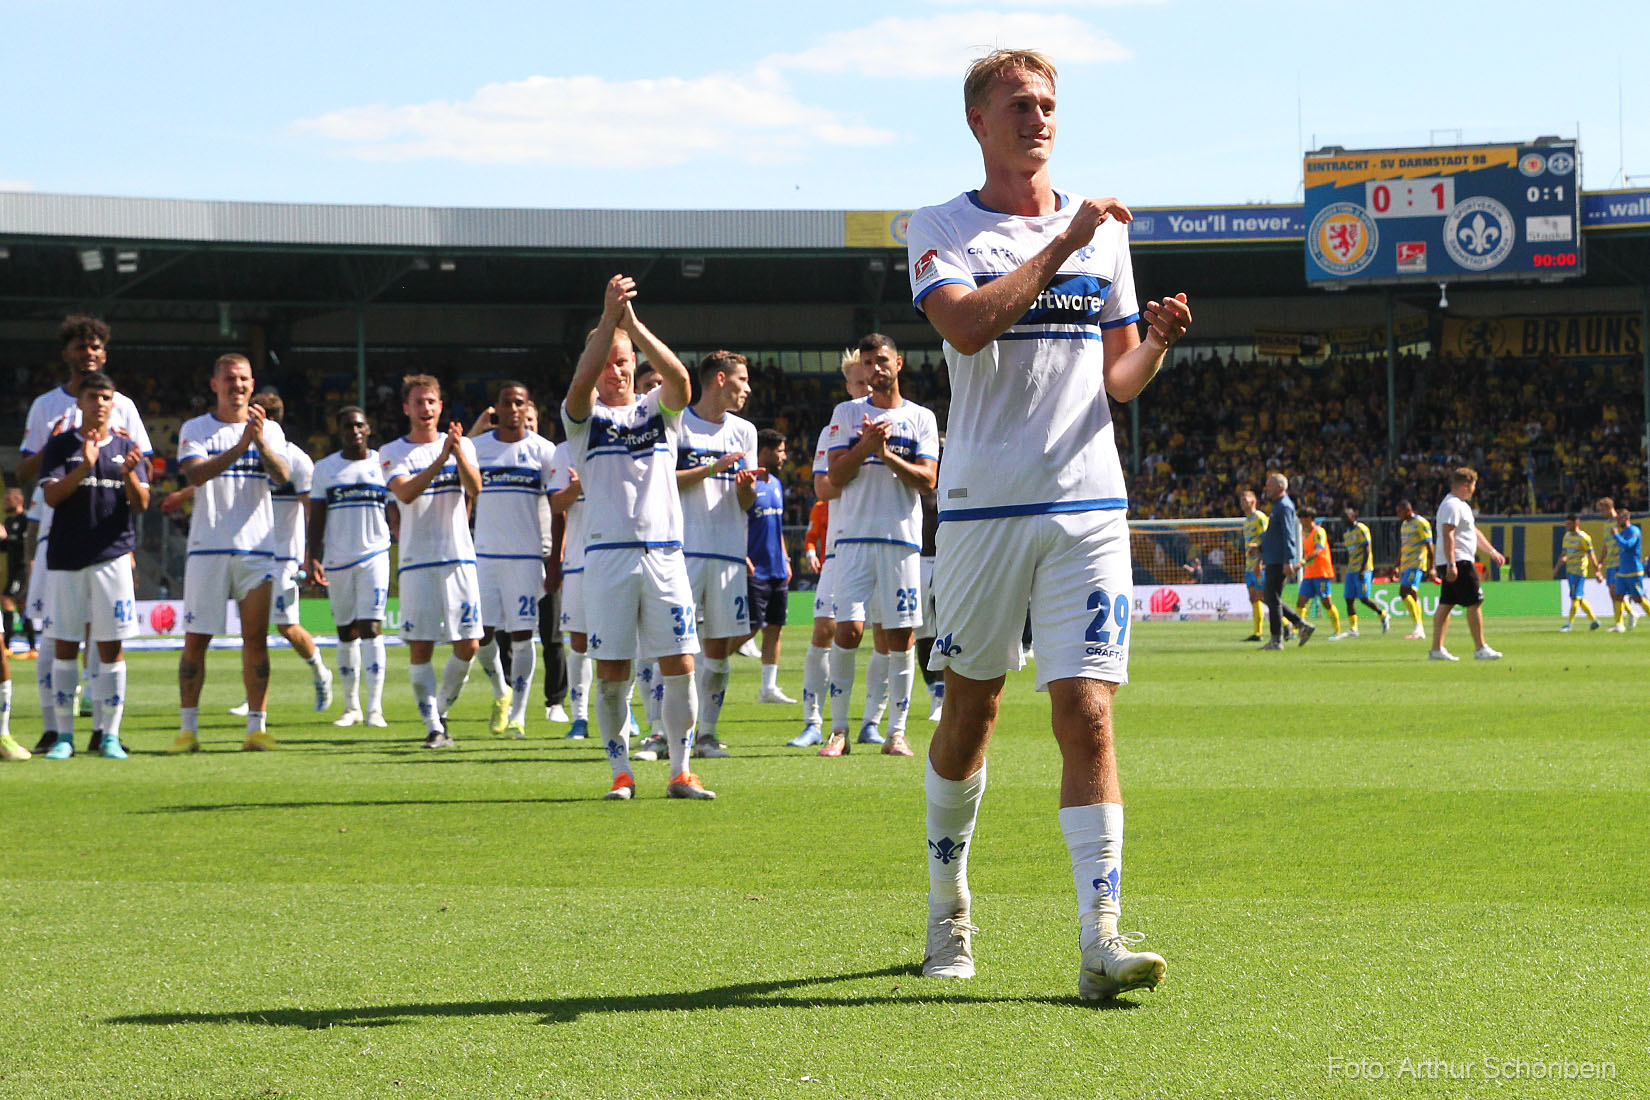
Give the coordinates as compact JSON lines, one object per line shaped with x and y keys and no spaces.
{"x":1254,"y":526}
{"x":1577,"y":564}
{"x":1414,"y":563}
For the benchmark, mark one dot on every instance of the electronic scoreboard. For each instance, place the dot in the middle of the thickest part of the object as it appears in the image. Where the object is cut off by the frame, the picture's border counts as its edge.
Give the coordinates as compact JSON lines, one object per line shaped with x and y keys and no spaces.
{"x":1443,"y":214}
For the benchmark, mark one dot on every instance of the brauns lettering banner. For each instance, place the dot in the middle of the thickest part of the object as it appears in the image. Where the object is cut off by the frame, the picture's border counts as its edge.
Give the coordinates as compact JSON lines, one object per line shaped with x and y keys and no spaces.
{"x":1591,"y":335}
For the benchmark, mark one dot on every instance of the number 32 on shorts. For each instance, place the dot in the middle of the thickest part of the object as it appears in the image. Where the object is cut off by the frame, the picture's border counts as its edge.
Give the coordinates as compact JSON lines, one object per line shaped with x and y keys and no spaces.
{"x":1112,"y":609}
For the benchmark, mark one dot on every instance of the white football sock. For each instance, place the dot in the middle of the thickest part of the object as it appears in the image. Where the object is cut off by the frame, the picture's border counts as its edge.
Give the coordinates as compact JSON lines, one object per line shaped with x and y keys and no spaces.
{"x":842,"y":686}
{"x":376,"y":668}
{"x":94,"y":669}
{"x":579,"y":670}
{"x":189,"y":719}
{"x":1094,"y":835}
{"x":815,"y":674}
{"x":43,"y":685}
{"x":677,"y":714}
{"x":487,"y":657}
{"x":953,"y":807}
{"x":111,"y":689}
{"x":457,"y":671}
{"x":902,"y":670}
{"x":711,"y":684}
{"x":5,"y":707}
{"x":65,"y":678}
{"x":770,"y":677}
{"x":613,"y":722}
{"x":349,"y":673}
{"x":423,"y":686}
{"x":255,"y":721}
{"x":876,"y":689}
{"x":524,"y":660}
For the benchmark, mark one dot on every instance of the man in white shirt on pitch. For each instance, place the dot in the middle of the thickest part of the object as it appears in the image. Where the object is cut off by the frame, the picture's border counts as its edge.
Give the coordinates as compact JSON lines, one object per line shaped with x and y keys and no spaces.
{"x":1033,"y":292}
{"x":232,"y":457}
{"x":432,"y":475}
{"x":517,"y":465}
{"x":1456,"y":552}
{"x":884,"y":453}
{"x":716,"y":477}
{"x":637,"y":600}
{"x":349,"y":547}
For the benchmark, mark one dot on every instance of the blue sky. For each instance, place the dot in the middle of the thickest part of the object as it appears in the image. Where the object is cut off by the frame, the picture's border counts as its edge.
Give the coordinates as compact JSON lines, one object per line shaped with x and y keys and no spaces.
{"x":842,"y":106}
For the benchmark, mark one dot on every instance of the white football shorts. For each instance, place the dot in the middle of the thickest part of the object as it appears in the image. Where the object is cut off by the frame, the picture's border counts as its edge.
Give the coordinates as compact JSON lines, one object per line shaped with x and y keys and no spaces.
{"x":440,"y":603}
{"x":572,"y":602}
{"x":925,"y":596}
{"x":39,"y":604}
{"x":283,"y":601}
{"x":211,"y":580}
{"x":824,"y":591}
{"x":876,"y":582}
{"x":721,"y":593}
{"x":1071,"y":569}
{"x":361,"y":591}
{"x":638,"y":604}
{"x":98,"y":596}
{"x":510,"y":592}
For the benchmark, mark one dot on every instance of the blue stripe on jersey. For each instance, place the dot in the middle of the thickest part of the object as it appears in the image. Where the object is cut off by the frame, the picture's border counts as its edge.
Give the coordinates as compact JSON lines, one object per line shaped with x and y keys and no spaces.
{"x":609,"y":452}
{"x":433,"y":564}
{"x":715,"y":557}
{"x":633,"y":546}
{"x":361,"y":504}
{"x":358,"y":561}
{"x":510,"y":557}
{"x":242,"y":553}
{"x":570,"y":572}
{"x":1050,"y":508}
{"x":880,"y":542}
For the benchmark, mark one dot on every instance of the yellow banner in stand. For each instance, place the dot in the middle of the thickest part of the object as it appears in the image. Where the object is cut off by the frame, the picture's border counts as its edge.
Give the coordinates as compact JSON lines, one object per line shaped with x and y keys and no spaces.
{"x":1591,"y":335}
{"x":875,"y":228}
{"x":1397,"y":164}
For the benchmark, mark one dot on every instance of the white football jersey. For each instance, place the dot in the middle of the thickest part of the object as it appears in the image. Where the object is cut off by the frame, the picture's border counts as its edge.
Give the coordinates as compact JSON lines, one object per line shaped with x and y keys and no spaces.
{"x":514,"y":477}
{"x":353,"y":494}
{"x":626,"y":458}
{"x":435,"y":528}
{"x":1030,"y":427}
{"x":233,"y":511}
{"x":41,"y":513}
{"x":822,"y":465}
{"x":58,"y":405}
{"x":288,"y":500}
{"x":713,"y":524}
{"x":572,"y":543}
{"x":877,"y":506}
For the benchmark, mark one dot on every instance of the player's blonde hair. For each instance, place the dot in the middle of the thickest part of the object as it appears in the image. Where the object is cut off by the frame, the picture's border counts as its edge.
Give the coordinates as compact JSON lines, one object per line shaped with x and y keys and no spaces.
{"x":231,"y":359}
{"x":1463,"y":475}
{"x":985,"y":71}
{"x":850,"y":358}
{"x":411,"y":382}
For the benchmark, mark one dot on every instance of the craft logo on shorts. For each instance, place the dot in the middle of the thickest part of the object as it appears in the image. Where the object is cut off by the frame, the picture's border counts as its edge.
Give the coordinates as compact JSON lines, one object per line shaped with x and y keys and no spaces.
{"x":1479,"y":233}
{"x":1165,"y":601}
{"x":1412,"y":257}
{"x":1342,"y":238}
{"x":924,"y":270}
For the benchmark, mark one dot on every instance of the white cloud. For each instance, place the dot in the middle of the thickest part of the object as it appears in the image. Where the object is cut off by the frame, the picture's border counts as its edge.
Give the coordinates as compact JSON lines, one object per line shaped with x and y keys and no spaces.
{"x":943,"y":45}
{"x":588,"y":120}
{"x":16,"y":185}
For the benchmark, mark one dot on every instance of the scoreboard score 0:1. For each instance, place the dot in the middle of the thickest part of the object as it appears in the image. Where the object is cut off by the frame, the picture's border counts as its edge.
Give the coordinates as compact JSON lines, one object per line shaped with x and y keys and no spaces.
{"x":1443,"y":214}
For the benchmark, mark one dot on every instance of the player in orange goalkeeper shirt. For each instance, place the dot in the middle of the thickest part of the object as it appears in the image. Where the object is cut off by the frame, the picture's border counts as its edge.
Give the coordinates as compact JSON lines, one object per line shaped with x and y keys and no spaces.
{"x":1318,"y":574}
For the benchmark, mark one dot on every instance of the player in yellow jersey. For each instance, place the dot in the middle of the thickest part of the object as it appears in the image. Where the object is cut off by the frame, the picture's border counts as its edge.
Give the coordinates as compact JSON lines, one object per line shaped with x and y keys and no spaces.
{"x":1609,"y":559}
{"x":1414,"y":563}
{"x":1318,"y":572}
{"x":1577,"y":564}
{"x":1254,"y":526}
{"x":1360,"y":573}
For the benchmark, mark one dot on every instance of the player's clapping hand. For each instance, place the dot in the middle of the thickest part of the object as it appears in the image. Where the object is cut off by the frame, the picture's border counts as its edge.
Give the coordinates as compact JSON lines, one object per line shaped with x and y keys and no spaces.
{"x":744,"y":479}
{"x":254,"y":433}
{"x":1168,"y":320}
{"x":88,"y":448}
{"x":616,"y":301}
{"x":1090,"y":215}
{"x":455,"y":435}
{"x":63,"y":423}
{"x":484,"y":421}
{"x":874,"y":434}
{"x":130,"y":465}
{"x":727,"y":462}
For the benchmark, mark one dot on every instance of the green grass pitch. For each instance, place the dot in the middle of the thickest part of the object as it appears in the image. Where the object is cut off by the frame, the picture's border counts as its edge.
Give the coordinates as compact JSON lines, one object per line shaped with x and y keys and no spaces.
{"x":1371,"y":876}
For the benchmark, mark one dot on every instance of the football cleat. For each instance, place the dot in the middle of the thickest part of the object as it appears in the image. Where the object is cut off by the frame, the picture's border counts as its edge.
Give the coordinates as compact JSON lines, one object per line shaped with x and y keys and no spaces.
{"x":11,"y":750}
{"x":950,"y":950}
{"x":1274,"y":644}
{"x":112,"y":749}
{"x":623,"y":789}
{"x":1415,"y":636}
{"x":556,"y":713}
{"x":47,"y":740}
{"x":95,"y":741}
{"x":579,"y":730}
{"x":653,"y":747}
{"x":1441,"y":655}
{"x":1386,"y":623}
{"x":837,"y":745}
{"x":773,"y":695}
{"x":869,"y":734}
{"x":1252,"y":638}
{"x":1565,"y":629}
{"x":240,"y":709}
{"x":709,"y":748}
{"x":516,"y":731}
{"x":1595,"y":625}
{"x":810,"y":735}
{"x":349,"y":718}
{"x":1616,"y":629}
{"x":185,"y":741}
{"x":1306,"y":632}
{"x":1485,"y":653}
{"x":258,"y":741}
{"x":687,"y":785}
{"x":438,"y":739}
{"x":897,"y":746}
{"x":501,"y":714}
{"x":62,"y":748}
{"x":1110,"y":968}
{"x":376,"y":719}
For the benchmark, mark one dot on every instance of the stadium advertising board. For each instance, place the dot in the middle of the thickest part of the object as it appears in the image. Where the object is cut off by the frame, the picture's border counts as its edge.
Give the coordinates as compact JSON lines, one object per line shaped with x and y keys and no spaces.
{"x":1616,"y":209}
{"x":1443,"y":214}
{"x":1589,"y":335}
